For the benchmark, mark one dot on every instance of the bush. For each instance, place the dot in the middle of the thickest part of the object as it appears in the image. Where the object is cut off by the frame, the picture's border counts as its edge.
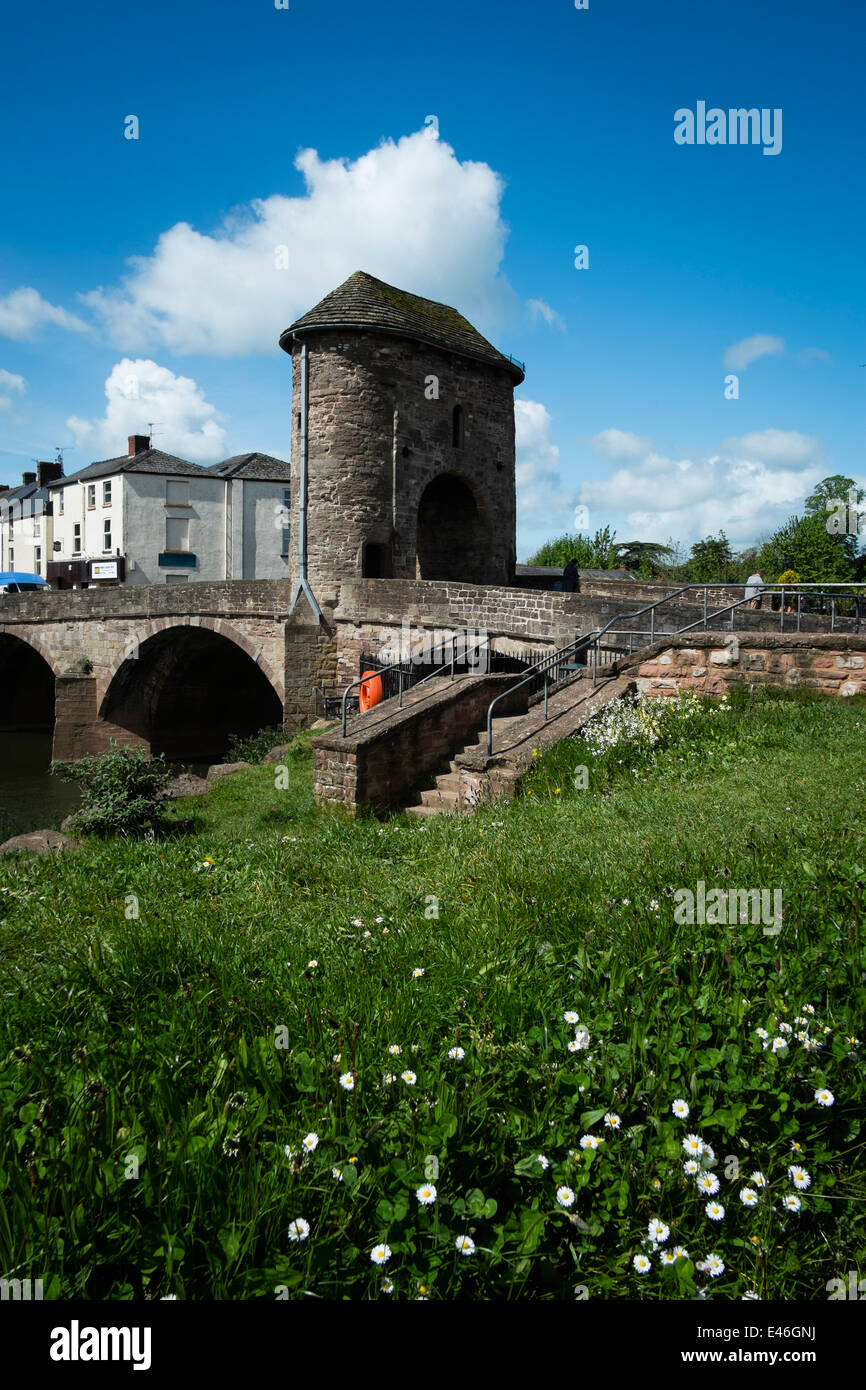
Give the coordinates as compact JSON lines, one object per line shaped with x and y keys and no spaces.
{"x":255,"y":747}
{"x":120,"y":791}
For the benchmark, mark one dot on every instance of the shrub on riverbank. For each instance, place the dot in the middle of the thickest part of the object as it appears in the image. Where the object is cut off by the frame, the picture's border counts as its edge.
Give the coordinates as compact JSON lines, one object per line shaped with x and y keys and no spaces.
{"x":120,"y":791}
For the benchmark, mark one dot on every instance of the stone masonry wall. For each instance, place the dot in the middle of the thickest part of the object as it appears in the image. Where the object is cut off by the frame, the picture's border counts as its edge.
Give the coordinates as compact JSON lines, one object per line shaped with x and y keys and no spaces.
{"x":390,"y":752}
{"x":710,"y":663}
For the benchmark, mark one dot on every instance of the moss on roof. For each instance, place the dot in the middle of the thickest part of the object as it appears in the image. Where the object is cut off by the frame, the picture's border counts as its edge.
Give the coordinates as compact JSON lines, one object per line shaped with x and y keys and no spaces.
{"x":362,"y":301}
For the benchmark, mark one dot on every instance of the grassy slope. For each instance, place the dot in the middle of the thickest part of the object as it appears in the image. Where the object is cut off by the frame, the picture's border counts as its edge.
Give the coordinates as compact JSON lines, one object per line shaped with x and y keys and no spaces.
{"x":136,"y":1033}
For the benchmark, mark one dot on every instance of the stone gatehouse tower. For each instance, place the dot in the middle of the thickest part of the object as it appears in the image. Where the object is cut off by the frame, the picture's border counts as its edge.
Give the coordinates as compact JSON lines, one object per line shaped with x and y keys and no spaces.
{"x":403,"y":427}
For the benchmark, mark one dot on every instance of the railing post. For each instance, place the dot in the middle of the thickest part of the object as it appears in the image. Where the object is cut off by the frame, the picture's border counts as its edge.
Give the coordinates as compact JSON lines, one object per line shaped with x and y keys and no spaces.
{"x":594,"y":661}
{"x":782,"y":611}
{"x":545,"y":697}
{"x":705,"y":608}
{"x":400,"y":685}
{"x":833,"y":614}
{"x":453,"y":652}
{"x":799,"y":606}
{"x":652,"y":624}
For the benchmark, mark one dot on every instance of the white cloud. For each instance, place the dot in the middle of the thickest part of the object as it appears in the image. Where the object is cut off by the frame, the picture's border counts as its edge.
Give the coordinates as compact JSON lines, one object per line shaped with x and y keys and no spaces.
{"x":24,"y":311}
{"x":408,"y":212}
{"x":739,"y":355}
{"x":10,"y":381}
{"x":620,"y":444}
{"x":141,"y":391}
{"x":544,"y":505}
{"x":749,"y":487}
{"x":777,"y":447}
{"x":813,"y":354}
{"x":539,"y":309}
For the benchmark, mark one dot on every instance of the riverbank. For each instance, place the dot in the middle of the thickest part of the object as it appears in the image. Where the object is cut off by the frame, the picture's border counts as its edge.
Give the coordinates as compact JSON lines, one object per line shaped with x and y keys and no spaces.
{"x":472,"y":1029}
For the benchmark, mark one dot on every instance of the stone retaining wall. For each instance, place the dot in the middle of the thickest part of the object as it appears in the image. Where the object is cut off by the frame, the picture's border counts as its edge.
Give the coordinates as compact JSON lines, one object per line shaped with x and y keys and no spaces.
{"x":712,"y":662}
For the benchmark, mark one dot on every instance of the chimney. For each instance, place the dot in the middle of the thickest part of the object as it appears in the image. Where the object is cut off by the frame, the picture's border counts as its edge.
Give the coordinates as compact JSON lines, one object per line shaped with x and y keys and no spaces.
{"x":48,"y":472}
{"x":28,"y":478}
{"x":138,"y":443}
{"x":4,"y":487}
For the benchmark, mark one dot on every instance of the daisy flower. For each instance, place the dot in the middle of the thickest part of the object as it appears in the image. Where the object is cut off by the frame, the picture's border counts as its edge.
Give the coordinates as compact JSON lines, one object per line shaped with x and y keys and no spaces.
{"x":708,"y":1157}
{"x":799,"y":1177}
{"x":812,"y":1044}
{"x":709,"y":1183}
{"x":690,"y":1167}
{"x":395,"y":1049}
{"x":426,"y":1194}
{"x":347,"y":1081}
{"x":581,"y":1037}
{"x":465,"y":1245}
{"x":681,"y":1110}
{"x":388,"y":1078}
{"x":571,"y":1017}
{"x":641,"y":1264}
{"x":417,"y":972}
{"x":589,"y":1141}
{"x":758,"y":1179}
{"x":337,"y":1173}
{"x":299,"y":1229}
{"x":779,"y":1043}
{"x":311,"y":964}
{"x":380,"y":1254}
{"x":336,"y":1057}
{"x":715,"y":1211}
{"x":409,"y":1077}
{"x":658,"y":1231}
{"x":793,"y":1202}
{"x":750,"y":1294}
{"x":367,"y":935}
{"x":387,"y":1285}
{"x":714,"y":1265}
{"x":612,"y":1120}
{"x":785,"y":1028}
{"x":824,"y":1097}
{"x":543,"y":1161}
{"x":680,"y":1252}
{"x":456,"y":1054}
{"x":693,"y":1145}
{"x":565,"y":1196}
{"x":311,"y":1142}
{"x":808,"y":1008}
{"x":762,"y":1034}
{"x":749,"y":1197}
{"x":668,"y":1257}
{"x":853,"y":1042}
{"x":356,"y":922}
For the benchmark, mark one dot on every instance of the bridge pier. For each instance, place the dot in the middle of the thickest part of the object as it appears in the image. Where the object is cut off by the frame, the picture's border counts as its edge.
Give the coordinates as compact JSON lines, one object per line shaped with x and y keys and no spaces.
{"x":78,"y":728}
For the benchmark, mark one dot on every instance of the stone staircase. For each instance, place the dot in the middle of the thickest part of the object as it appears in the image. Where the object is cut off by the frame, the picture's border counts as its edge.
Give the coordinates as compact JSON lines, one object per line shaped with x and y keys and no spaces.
{"x":472,"y":776}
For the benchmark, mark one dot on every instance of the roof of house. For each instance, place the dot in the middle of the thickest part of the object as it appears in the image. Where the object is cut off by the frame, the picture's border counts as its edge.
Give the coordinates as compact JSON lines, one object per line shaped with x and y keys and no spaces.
{"x":362,"y":301}
{"x":255,"y":467}
{"x":147,"y":461}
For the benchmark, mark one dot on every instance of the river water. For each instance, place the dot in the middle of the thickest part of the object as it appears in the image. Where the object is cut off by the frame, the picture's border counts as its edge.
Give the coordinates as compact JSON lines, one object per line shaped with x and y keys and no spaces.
{"x":30,"y":798}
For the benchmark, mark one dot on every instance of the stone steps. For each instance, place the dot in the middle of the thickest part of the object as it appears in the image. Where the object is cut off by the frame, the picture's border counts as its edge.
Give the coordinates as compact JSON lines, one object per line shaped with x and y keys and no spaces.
{"x":513,"y":739}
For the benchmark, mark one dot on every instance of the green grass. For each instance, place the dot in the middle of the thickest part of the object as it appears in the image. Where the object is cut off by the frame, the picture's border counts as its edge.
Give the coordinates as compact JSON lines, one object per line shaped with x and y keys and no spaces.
{"x":146,"y":1108}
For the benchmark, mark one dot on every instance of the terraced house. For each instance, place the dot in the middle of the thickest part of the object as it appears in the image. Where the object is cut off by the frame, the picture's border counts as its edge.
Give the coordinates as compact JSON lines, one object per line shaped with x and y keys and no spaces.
{"x":149,"y":517}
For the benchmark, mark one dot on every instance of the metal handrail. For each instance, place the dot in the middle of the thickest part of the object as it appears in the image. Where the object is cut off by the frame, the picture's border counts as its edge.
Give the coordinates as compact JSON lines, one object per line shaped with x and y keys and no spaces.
{"x":593,"y":638}
{"x":398,"y":667}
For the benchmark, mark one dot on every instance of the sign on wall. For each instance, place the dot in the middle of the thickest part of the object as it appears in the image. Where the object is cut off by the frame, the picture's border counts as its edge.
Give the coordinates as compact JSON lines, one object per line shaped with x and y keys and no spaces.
{"x":103,"y":569}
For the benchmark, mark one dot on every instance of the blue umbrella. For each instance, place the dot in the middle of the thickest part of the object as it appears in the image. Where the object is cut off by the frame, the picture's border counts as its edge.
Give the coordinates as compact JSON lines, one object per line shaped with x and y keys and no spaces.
{"x":22,"y":580}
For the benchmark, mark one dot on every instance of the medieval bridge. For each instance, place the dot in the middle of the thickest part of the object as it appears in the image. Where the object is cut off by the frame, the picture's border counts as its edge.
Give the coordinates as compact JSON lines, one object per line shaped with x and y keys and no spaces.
{"x":178,"y":668}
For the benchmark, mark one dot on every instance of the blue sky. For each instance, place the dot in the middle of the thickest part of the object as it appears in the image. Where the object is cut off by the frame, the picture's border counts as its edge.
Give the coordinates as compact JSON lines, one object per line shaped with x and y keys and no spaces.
{"x":138,"y":278}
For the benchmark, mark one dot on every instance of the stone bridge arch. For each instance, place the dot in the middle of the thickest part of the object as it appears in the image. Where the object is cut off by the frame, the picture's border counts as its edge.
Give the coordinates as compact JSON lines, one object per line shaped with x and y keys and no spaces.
{"x":181,"y":687}
{"x":28,"y":671}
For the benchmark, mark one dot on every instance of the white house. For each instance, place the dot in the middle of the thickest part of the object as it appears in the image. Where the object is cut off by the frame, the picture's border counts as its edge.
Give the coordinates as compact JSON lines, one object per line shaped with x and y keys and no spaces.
{"x":151,"y":518}
{"x":26,"y":523}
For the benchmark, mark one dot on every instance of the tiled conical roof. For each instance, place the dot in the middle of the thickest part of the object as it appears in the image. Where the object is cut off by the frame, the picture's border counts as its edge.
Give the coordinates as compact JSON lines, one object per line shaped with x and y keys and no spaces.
{"x":362,"y":301}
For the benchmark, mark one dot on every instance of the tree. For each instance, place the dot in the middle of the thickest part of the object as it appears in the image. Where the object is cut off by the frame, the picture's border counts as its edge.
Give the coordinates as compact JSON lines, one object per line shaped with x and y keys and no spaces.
{"x":645,"y":557}
{"x":804,"y":544}
{"x":831,"y":491}
{"x":710,"y":560}
{"x":598,"y":553}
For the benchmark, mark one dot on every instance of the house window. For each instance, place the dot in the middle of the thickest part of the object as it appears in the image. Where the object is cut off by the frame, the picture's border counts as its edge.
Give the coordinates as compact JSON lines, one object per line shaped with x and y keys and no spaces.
{"x":287,"y":501}
{"x":177,"y":494}
{"x":457,"y":427}
{"x":106,"y":534}
{"x":60,"y":502}
{"x":106,"y":494}
{"x":176,"y":535}
{"x":177,"y":579}
{"x":91,"y":495}
{"x":76,"y":538}
{"x":37,"y":560}
{"x":36,"y":530}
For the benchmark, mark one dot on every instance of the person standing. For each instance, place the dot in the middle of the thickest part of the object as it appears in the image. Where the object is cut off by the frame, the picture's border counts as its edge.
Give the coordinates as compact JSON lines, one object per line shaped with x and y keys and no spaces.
{"x":571,"y":577}
{"x":754,"y":589}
